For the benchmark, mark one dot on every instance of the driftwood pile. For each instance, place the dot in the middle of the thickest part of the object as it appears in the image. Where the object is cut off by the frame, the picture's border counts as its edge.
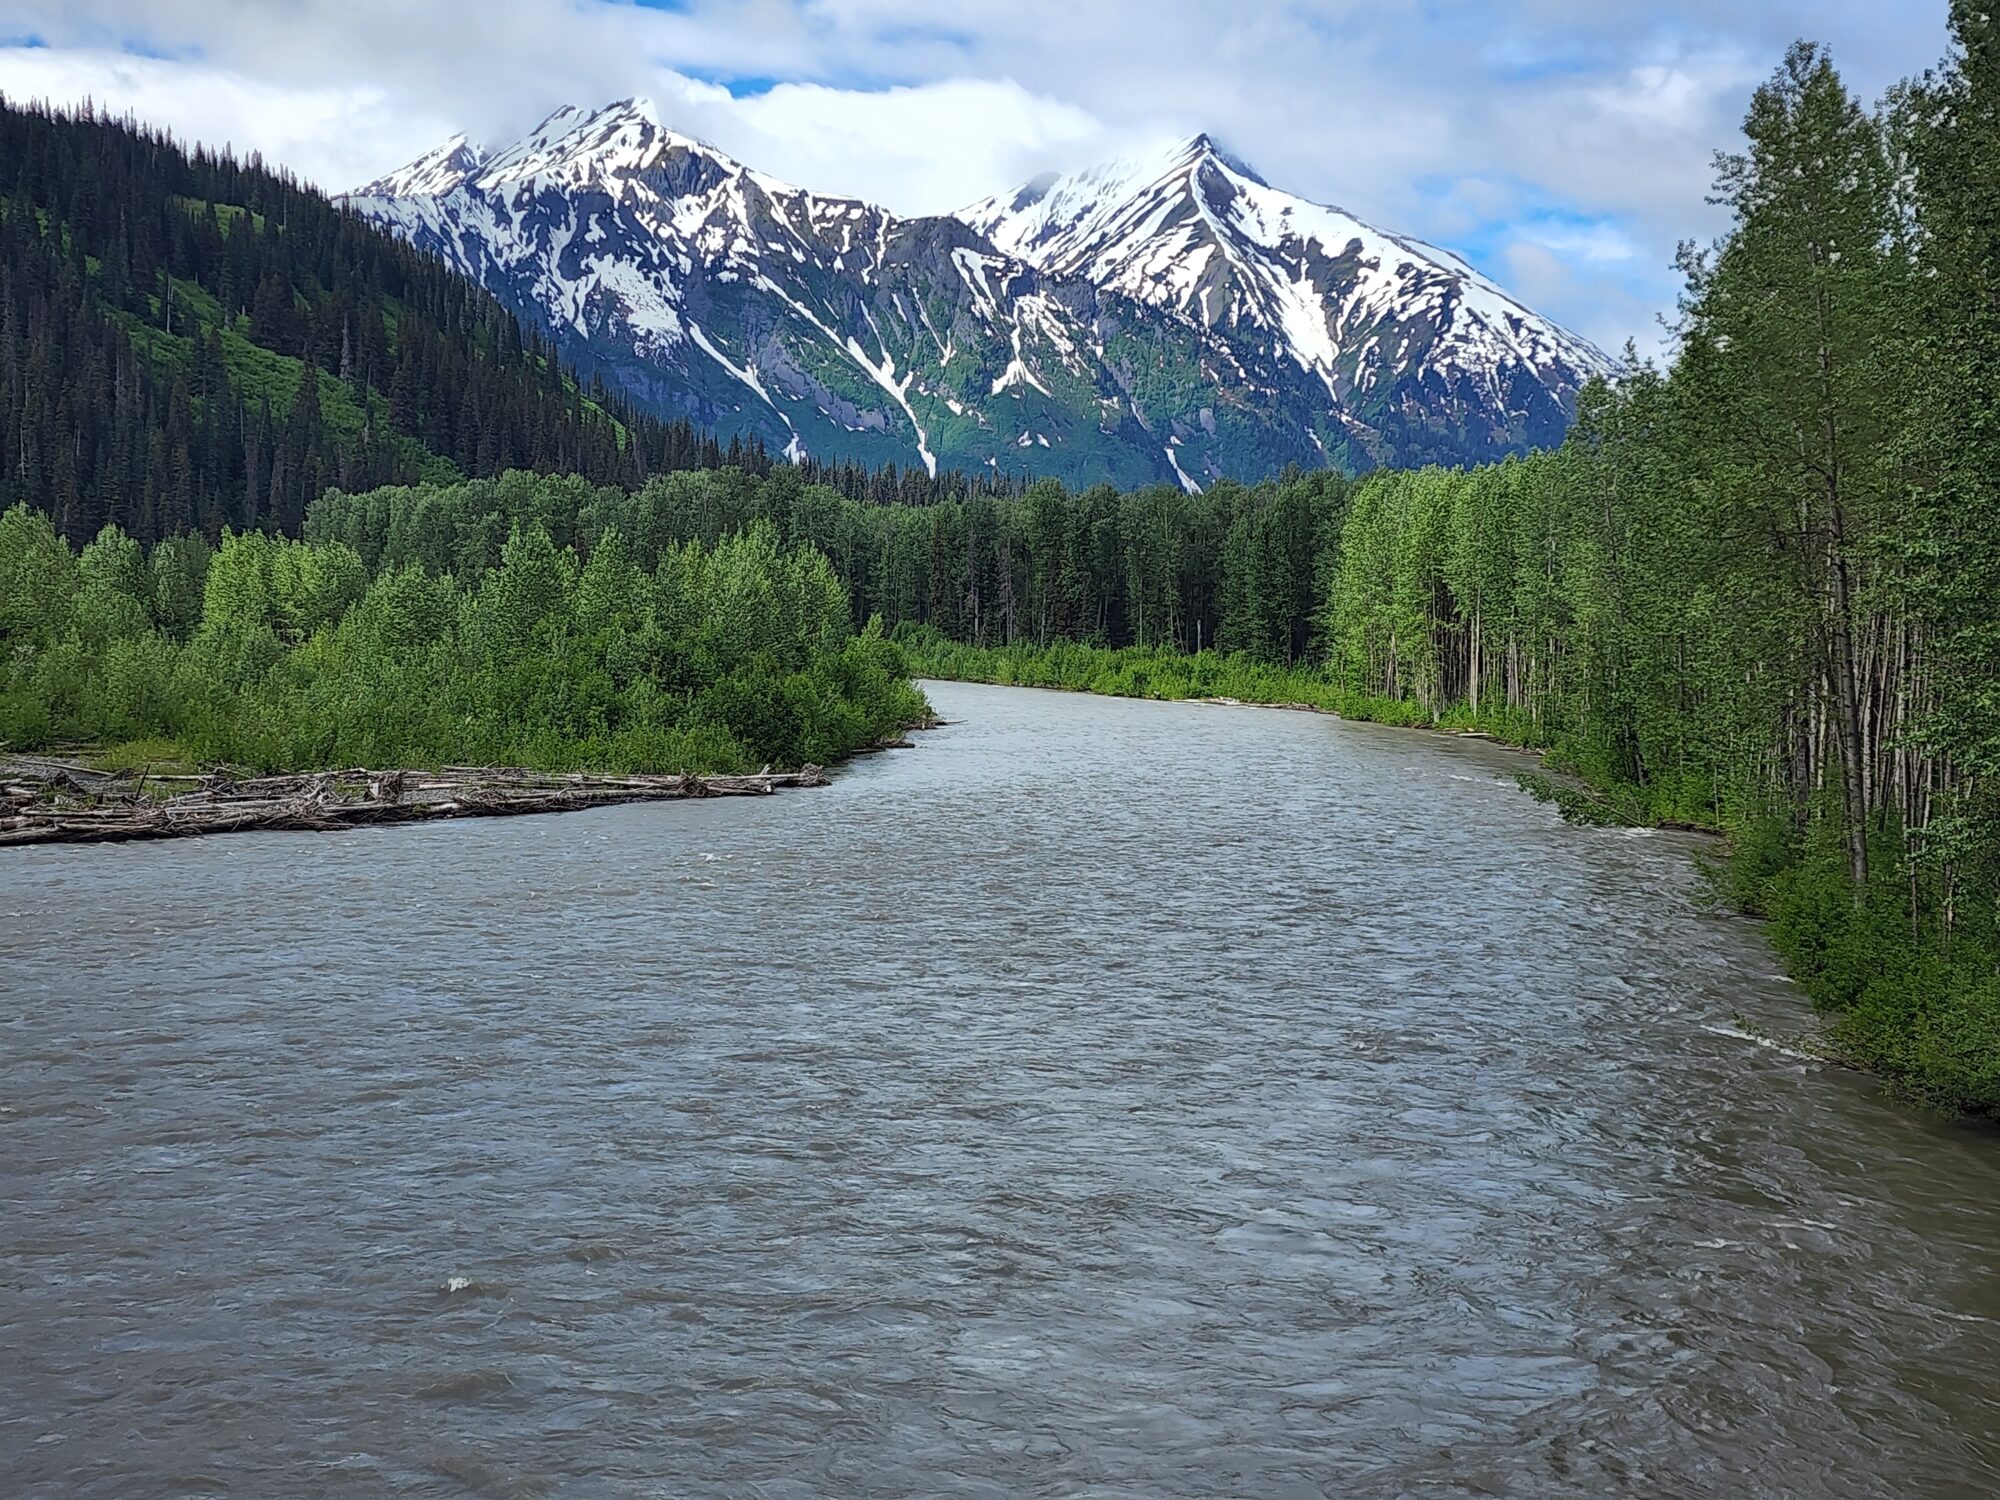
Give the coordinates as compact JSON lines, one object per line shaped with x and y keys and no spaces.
{"x":56,"y":801}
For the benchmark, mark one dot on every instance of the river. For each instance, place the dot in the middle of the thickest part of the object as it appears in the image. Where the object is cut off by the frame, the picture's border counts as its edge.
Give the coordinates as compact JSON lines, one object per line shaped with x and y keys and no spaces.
{"x":1103,"y":1097}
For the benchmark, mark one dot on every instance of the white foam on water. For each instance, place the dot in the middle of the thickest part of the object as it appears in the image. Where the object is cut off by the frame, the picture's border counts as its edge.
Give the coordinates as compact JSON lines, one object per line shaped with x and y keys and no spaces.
{"x":1763,"y":1041}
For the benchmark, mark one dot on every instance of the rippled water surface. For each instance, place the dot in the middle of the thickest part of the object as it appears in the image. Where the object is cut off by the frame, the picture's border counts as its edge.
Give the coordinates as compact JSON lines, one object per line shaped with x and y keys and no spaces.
{"x":1105,"y":1097}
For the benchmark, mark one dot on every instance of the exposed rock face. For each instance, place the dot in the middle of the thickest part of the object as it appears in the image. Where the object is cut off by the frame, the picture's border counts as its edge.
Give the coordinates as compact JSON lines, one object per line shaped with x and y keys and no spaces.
{"x":1175,"y":319}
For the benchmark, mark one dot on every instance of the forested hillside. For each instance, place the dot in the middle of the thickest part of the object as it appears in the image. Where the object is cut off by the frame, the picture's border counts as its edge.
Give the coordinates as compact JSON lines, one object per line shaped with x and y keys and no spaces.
{"x":192,"y":342}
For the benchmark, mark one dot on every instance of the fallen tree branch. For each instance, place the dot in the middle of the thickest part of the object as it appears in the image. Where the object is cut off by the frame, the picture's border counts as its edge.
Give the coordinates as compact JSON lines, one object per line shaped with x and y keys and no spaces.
{"x":47,"y":801}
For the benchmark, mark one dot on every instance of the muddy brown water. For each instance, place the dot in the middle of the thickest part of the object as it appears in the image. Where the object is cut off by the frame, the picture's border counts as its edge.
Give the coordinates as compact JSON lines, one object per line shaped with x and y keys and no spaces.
{"x":1103,"y":1098}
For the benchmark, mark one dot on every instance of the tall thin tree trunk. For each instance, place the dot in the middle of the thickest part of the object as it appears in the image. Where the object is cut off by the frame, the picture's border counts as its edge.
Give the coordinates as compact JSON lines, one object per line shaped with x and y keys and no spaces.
{"x":1847,"y":715}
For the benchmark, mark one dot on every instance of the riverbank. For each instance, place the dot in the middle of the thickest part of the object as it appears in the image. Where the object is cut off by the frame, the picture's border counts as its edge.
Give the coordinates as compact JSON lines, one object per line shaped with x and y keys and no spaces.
{"x":1138,"y":672}
{"x":289,"y":657}
{"x":1211,"y":677}
{"x":1928,"y":1028}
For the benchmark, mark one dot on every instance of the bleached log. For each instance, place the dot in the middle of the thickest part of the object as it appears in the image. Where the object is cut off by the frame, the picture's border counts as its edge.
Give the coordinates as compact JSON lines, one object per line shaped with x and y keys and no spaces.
{"x":43,"y":804}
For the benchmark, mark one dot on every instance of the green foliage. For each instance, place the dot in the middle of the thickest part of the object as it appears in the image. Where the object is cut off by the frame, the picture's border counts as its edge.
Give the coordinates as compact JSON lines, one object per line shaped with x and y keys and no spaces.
{"x":720,"y":658}
{"x":1143,"y":672}
{"x":1583,"y":805}
{"x":1758,"y":595}
{"x":1925,"y":1013}
{"x":192,"y":342}
{"x":1239,"y":566}
{"x":180,"y":584}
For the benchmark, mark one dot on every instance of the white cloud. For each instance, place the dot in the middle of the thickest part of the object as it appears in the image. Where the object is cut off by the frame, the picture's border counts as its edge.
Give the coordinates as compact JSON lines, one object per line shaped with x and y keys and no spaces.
{"x":916,"y":148}
{"x":329,"y":135}
{"x":1599,"y":244}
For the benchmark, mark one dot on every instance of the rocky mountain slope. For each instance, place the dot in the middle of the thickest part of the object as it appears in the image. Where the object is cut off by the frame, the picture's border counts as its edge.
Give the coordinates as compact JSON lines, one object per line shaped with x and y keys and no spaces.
{"x":1363,"y":340}
{"x":1174,"y":319}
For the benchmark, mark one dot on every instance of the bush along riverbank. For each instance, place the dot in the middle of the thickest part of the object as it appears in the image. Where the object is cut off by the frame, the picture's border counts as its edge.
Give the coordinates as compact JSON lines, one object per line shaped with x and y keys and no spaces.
{"x":1166,"y":675}
{"x":266,"y":655}
{"x":1142,"y":672}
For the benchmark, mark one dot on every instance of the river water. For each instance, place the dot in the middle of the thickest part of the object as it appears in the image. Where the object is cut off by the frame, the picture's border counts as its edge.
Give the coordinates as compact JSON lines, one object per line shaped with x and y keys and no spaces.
{"x":1104,"y":1097}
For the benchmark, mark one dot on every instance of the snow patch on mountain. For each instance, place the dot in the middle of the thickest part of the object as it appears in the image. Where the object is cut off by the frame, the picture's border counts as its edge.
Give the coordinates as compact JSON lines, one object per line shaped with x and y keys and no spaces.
{"x":1193,"y":230}
{"x":431,"y":175}
{"x":1122,"y":308}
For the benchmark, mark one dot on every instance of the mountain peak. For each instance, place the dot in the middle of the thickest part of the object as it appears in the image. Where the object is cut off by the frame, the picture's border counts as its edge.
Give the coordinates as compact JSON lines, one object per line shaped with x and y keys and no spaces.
{"x":1166,"y":183}
{"x":574,"y":146}
{"x":1195,"y":231}
{"x":1203,"y":147}
{"x":432,"y":175}
{"x":614,"y":149}
{"x":1169,"y":316}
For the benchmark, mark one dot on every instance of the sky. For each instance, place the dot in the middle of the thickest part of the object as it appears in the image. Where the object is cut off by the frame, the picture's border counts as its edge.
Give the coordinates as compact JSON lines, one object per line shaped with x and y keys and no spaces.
{"x":1563,"y":146}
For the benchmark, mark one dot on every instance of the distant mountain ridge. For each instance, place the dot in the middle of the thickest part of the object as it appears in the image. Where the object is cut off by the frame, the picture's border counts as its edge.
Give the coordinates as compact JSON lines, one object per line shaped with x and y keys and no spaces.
{"x":1167,"y":319}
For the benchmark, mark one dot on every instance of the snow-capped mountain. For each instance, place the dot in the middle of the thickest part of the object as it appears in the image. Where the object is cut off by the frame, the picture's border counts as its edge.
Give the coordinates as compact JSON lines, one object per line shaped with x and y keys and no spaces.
{"x":1405,"y":338}
{"x":1168,"y":320}
{"x":431,"y":175}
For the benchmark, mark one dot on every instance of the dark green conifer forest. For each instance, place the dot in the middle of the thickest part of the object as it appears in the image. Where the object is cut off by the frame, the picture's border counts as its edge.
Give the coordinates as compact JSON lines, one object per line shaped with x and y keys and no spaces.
{"x":192,"y":343}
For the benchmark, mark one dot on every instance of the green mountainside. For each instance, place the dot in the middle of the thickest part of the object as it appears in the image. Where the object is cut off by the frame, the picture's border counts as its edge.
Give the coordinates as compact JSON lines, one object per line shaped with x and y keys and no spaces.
{"x":187,"y":341}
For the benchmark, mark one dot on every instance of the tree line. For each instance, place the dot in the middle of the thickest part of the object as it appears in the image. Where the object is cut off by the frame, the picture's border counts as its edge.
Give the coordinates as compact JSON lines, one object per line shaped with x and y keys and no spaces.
{"x":1762,"y":591}
{"x":274,"y":654}
{"x":1241,"y":567}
